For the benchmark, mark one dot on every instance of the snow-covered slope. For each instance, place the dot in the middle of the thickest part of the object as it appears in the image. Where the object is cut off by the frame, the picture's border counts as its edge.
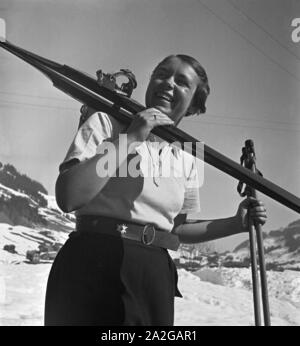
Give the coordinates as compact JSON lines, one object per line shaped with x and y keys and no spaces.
{"x":24,"y":239}
{"x":29,"y":218}
{"x":282,"y":285}
{"x":23,"y":287}
{"x":282,"y":247}
{"x":52,"y":216}
{"x":209,"y":304}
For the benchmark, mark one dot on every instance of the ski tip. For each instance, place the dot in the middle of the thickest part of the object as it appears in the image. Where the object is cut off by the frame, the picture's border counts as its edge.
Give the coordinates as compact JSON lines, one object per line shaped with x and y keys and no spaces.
{"x":2,"y":30}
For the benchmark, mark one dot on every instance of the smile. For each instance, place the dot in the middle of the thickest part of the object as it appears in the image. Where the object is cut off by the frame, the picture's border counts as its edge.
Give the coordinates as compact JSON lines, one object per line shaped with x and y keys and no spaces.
{"x":164,"y":96}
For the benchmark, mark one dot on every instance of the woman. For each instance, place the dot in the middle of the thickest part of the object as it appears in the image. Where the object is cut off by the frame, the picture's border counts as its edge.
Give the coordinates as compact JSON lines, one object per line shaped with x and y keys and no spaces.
{"x":115,"y":269}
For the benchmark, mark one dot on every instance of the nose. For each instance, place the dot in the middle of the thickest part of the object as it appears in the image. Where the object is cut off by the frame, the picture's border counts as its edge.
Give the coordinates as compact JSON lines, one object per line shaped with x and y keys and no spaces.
{"x":169,"y":82}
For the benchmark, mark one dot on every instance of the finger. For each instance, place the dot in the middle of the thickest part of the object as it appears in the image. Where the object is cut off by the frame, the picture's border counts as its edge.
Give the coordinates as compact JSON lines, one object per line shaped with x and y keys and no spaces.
{"x":260,"y":221}
{"x":247,"y":202}
{"x":257,"y":212}
{"x":160,"y":116}
{"x":154,"y":118}
{"x":254,"y":201}
{"x":258,"y":209}
{"x":259,"y":217}
{"x":157,"y":118}
{"x":148,"y":113}
{"x":153,"y":109}
{"x":163,"y":122}
{"x":253,"y":217}
{"x":257,"y":203}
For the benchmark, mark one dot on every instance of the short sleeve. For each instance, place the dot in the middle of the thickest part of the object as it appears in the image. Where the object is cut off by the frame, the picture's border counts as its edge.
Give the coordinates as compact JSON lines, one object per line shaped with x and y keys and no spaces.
{"x":191,"y":202}
{"x":89,"y":136}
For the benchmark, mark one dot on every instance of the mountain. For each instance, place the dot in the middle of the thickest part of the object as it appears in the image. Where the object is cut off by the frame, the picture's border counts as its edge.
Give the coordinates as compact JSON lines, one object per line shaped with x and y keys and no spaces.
{"x":282,"y":248}
{"x":29,"y":218}
{"x":282,"y":251}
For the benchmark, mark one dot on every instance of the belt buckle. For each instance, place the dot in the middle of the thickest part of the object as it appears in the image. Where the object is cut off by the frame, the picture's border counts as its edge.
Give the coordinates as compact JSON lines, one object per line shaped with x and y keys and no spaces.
{"x":122,"y":229}
{"x":148,"y":227}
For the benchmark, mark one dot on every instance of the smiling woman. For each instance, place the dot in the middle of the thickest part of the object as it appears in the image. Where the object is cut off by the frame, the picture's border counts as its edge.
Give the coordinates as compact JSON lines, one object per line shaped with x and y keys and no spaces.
{"x":190,"y":80}
{"x":115,"y":269}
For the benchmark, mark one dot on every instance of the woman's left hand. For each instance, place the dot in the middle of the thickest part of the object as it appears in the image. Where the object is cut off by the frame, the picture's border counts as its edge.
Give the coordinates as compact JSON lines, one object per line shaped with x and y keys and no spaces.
{"x":250,"y":209}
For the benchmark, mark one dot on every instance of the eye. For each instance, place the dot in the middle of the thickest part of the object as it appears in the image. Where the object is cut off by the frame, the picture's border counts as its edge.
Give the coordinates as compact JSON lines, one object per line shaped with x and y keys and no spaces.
{"x":161,"y":73}
{"x":183,"y":82}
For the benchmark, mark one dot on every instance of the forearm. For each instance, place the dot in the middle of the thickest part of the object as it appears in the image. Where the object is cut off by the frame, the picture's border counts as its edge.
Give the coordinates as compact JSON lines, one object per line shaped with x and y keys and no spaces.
{"x":78,"y":185}
{"x":197,"y":231}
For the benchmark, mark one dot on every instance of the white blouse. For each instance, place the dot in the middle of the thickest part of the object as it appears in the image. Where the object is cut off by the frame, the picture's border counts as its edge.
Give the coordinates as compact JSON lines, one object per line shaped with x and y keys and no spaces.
{"x":167,"y":185}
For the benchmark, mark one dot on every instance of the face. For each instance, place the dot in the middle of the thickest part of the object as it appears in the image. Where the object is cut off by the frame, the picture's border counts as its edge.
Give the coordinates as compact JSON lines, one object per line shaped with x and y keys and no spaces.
{"x":172,"y":87}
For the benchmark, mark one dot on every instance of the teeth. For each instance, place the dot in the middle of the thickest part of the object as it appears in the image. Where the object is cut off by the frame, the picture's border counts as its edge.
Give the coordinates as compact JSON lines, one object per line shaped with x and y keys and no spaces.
{"x":165,"y":96}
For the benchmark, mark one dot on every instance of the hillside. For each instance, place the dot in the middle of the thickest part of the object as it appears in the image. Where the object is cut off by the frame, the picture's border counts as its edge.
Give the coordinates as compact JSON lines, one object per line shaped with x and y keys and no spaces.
{"x":26,"y":202}
{"x":282,"y":247}
{"x":29,"y":218}
{"x":282,"y":251}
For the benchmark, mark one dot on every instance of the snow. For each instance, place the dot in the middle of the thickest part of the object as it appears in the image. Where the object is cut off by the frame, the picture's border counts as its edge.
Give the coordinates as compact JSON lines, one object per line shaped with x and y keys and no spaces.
{"x":208,"y":304}
{"x":13,"y":192}
{"x":23,"y":286}
{"x":51,"y":202}
{"x":211,"y":296}
{"x":282,"y":285}
{"x":53,"y":213}
{"x":24,"y":239}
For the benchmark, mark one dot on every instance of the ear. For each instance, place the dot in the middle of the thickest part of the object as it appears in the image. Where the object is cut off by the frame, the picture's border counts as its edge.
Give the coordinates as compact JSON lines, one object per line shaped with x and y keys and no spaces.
{"x":193,"y":110}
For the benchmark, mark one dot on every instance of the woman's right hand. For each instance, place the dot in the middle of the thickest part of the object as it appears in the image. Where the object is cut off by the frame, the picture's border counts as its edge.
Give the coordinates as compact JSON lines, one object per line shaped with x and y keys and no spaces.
{"x":145,"y":121}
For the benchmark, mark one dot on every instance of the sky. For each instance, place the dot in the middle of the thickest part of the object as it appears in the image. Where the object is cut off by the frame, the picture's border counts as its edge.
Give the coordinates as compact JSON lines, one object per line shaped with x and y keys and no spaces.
{"x":246,"y":47}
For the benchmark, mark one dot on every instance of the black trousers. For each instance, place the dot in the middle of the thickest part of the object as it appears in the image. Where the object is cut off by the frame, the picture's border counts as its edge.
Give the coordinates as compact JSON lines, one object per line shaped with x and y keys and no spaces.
{"x":98,"y":279}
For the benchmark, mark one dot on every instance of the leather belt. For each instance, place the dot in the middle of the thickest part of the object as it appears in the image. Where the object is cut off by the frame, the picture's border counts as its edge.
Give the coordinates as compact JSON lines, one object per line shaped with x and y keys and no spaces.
{"x":147,"y":234}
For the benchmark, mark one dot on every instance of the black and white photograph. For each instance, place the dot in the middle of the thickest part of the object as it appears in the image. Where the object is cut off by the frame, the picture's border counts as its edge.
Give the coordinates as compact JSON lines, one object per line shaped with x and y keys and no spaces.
{"x":149,"y":164}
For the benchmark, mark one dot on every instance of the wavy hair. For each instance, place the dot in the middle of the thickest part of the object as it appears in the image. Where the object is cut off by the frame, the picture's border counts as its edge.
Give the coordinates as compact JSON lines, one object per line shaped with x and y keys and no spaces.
{"x":203,"y":88}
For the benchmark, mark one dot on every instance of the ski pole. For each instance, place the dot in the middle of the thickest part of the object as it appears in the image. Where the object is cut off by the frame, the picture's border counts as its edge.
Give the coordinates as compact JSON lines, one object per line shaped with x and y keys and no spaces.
{"x":260,"y":247}
{"x":255,"y":279}
{"x":248,"y":159}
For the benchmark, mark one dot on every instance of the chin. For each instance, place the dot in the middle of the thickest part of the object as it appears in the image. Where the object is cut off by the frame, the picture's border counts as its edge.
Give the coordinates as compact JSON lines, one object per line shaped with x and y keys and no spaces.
{"x":163,"y":109}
